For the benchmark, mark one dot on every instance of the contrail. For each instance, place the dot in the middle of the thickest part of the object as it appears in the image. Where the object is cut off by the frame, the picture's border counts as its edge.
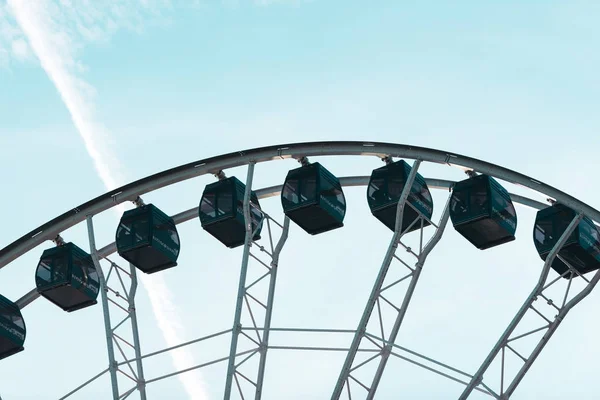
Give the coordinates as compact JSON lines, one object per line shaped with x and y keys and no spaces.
{"x":52,"y":46}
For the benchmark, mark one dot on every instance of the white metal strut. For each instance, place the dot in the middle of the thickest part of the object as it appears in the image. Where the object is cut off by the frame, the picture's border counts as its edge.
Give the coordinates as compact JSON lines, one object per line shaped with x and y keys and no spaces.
{"x":255,"y":302}
{"x":549,"y":325}
{"x":384,"y":342}
{"x":125,"y":340}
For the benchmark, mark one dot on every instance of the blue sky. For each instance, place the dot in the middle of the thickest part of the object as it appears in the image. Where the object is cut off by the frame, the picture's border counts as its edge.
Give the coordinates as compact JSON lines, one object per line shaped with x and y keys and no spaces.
{"x":162,"y":83}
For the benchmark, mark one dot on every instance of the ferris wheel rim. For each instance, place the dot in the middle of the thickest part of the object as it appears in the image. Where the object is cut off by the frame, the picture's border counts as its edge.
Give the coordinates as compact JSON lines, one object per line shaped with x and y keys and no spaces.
{"x":348,"y":181}
{"x":213,"y":165}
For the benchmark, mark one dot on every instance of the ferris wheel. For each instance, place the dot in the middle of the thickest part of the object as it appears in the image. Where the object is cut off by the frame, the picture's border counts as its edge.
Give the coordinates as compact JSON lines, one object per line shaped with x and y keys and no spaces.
{"x":565,"y":235}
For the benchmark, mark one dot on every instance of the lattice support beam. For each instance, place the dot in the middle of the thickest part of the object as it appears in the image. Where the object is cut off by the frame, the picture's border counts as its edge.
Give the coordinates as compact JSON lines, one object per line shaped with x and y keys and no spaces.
{"x":424,"y":252}
{"x":122,"y":300}
{"x":112,"y":364}
{"x":379,"y":296}
{"x":505,"y":344}
{"x":255,"y":303}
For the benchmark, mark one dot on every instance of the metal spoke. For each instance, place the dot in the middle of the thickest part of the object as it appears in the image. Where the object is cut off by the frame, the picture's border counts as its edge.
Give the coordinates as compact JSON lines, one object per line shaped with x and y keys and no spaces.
{"x":120,"y":295}
{"x":374,"y":299}
{"x":244,"y":295}
{"x":549,"y":329}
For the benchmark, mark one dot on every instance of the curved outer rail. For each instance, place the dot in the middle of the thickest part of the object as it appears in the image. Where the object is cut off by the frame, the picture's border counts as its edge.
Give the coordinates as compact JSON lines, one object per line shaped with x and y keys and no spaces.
{"x":271,"y":191}
{"x":131,"y":191}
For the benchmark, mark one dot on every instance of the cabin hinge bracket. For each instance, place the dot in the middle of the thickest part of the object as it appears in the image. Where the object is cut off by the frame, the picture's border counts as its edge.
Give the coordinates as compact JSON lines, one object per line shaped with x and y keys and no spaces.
{"x":138,"y":202}
{"x":304,"y":161}
{"x":220,"y":175}
{"x":58,"y":240}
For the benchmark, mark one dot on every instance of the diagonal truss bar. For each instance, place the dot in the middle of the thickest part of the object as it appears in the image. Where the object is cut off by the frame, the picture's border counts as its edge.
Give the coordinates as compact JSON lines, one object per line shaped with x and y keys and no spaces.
{"x":155,"y":353}
{"x":269,"y":311}
{"x":551,"y":327}
{"x":407,"y":297}
{"x":124,"y":302}
{"x":82,"y":385}
{"x":413,"y":357}
{"x":135,"y":331}
{"x":269,"y":261}
{"x":112,"y":364}
{"x":374,"y":301}
{"x":400,"y":352}
{"x":362,"y":326}
{"x":241,"y":289}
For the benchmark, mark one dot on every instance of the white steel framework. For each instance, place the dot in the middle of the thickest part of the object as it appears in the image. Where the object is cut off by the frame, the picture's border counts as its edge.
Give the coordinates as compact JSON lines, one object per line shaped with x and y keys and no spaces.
{"x":256,"y":304}
{"x":413,"y":266}
{"x":375,"y":336}
{"x":549,"y":323}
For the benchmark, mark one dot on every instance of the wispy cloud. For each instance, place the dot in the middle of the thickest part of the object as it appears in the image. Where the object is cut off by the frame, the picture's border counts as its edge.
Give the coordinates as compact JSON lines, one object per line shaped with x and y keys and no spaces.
{"x":54,"y":32}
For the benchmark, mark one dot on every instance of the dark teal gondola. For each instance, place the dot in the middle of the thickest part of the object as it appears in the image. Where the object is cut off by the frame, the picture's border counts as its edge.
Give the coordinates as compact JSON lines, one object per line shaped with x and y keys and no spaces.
{"x":313,"y":198}
{"x":482,"y":212}
{"x":67,"y":277}
{"x":582,"y":248}
{"x":221,"y":212}
{"x":384,"y":190}
{"x":148,"y":239}
{"x":12,"y":328}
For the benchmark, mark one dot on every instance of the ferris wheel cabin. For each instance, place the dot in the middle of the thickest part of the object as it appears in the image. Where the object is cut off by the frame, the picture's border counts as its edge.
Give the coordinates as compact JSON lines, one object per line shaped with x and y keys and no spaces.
{"x":67,"y":277}
{"x":582,"y":248}
{"x":313,"y":198}
{"x":482,"y":212}
{"x":221,"y":212}
{"x":12,"y":328}
{"x":384,"y":190}
{"x":148,"y":239}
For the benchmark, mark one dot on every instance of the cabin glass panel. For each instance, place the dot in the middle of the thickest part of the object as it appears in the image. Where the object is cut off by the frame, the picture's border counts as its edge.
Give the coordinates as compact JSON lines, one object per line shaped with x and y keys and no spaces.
{"x":300,"y":187}
{"x":73,"y":282}
{"x":479,"y":200}
{"x":377,"y":193}
{"x":395,"y":184}
{"x":550,"y":225}
{"x":460,"y":205}
{"x":222,"y":212}
{"x":503,"y":210}
{"x":53,"y":269}
{"x":208,"y":206}
{"x":313,"y":198}
{"x":331,"y":197}
{"x":290,"y":193}
{"x":164,"y":236}
{"x":12,"y":328}
{"x":218,"y":201}
{"x":420,"y":197}
{"x":385,"y":188}
{"x":589,"y":238}
{"x":543,"y":234}
{"x":256,"y":216}
{"x":470,"y":199}
{"x":12,"y":316}
{"x":308,"y":191}
{"x":225,"y":203}
{"x":581,"y":250}
{"x":482,"y":212}
{"x":134,"y":230}
{"x":148,"y":239}
{"x":84,"y":274}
